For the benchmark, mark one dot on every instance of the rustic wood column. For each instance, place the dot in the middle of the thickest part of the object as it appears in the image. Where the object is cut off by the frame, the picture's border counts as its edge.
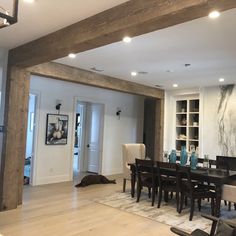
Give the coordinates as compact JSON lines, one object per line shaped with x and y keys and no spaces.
{"x":14,"y":140}
{"x":159,"y":126}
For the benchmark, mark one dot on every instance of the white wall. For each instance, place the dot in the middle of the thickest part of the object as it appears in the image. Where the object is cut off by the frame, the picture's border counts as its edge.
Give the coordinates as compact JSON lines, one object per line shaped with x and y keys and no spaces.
{"x":210,"y":116}
{"x":54,"y":163}
{"x":3,"y":73}
{"x":219,"y":123}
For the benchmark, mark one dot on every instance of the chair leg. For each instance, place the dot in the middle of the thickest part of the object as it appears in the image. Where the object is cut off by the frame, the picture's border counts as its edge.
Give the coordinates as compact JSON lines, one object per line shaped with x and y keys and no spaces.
{"x":153,"y":195}
{"x":186,"y":201}
{"x":159,"y":198}
{"x":191,"y":209}
{"x":182,"y":197}
{"x":124,"y":185}
{"x":166,"y":193}
{"x":199,"y":204}
{"x":212,"y":206}
{"x":149,"y":192}
{"x":138,"y":192}
{"x":235,"y":206}
{"x":229,"y":206}
{"x":177,"y":201}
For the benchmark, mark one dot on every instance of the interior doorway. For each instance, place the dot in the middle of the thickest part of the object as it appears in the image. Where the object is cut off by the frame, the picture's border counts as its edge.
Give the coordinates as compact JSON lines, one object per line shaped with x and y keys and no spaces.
{"x":88,"y":145}
{"x":149,"y":126}
{"x":29,"y":155}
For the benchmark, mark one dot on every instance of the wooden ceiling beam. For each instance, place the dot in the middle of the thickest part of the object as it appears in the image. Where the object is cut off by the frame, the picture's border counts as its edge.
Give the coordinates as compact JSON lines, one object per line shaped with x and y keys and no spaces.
{"x":75,"y":75}
{"x":132,"y":18}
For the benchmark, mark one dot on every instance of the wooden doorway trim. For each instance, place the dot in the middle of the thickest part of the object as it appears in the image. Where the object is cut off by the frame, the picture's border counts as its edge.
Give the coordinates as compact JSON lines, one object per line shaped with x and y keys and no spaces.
{"x":75,"y":75}
{"x":132,"y":18}
{"x":14,"y":139}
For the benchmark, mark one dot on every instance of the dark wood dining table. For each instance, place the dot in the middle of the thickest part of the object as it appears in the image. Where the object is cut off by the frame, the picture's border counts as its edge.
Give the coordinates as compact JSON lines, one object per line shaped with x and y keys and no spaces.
{"x":218,"y":177}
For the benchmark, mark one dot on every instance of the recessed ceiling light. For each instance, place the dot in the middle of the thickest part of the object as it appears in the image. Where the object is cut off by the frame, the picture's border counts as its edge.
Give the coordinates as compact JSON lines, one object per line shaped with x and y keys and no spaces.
{"x":187,"y":64}
{"x":72,"y":55}
{"x":214,"y":14}
{"x":175,"y":85}
{"x":134,"y":73}
{"x":29,"y":1}
{"x":221,"y":80}
{"x":127,"y":39}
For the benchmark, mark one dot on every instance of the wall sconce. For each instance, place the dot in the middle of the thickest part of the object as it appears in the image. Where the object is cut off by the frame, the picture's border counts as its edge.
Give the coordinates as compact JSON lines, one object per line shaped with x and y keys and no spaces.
{"x":58,"y":106}
{"x":118,"y":112}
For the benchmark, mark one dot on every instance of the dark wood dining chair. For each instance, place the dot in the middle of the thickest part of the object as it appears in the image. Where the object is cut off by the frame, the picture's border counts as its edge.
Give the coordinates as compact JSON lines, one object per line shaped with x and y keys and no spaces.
{"x":146,"y":178}
{"x":228,"y":163}
{"x":166,"y":173}
{"x":217,"y":228}
{"x":193,"y":190}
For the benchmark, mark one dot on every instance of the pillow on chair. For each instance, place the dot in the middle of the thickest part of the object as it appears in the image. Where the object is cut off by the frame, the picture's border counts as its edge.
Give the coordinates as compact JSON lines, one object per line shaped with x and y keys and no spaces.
{"x":224,"y":230}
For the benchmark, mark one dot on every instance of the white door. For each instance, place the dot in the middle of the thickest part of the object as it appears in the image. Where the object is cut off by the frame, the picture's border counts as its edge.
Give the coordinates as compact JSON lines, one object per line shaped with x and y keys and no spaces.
{"x":94,"y":130}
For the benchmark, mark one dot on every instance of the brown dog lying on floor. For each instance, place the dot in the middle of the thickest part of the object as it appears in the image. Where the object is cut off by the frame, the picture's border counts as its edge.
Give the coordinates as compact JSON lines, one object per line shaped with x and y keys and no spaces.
{"x":94,"y":179}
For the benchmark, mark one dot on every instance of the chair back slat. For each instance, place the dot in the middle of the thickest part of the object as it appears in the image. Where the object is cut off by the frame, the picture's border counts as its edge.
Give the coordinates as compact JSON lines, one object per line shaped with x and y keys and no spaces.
{"x":226,"y":162}
{"x":165,"y":168}
{"x":184,"y":178}
{"x":144,"y":165}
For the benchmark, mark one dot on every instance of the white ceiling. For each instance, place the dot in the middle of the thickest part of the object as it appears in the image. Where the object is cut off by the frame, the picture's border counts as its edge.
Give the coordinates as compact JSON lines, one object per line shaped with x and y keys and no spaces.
{"x":45,"y":16}
{"x":209,"y":46}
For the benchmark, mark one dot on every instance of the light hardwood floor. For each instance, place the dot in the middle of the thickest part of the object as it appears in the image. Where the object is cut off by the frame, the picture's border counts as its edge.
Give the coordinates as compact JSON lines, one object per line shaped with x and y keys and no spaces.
{"x":62,"y":209}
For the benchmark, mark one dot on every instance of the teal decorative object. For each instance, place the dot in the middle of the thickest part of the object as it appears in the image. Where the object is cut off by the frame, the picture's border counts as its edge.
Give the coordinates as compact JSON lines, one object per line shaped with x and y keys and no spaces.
{"x":173,"y":156}
{"x":183,"y":156}
{"x":193,"y":161}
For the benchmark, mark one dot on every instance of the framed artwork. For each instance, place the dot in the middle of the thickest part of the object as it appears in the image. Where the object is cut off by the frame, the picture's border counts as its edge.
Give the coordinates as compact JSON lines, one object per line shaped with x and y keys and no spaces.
{"x":56,"y":129}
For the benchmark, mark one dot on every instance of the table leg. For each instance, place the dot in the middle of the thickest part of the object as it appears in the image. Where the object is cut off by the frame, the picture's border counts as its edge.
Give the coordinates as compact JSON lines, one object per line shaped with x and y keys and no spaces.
{"x":218,"y":200}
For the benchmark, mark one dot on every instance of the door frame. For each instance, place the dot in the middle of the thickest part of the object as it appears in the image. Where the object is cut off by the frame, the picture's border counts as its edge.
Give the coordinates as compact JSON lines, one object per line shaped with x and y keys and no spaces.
{"x":33,"y":164}
{"x":82,"y":99}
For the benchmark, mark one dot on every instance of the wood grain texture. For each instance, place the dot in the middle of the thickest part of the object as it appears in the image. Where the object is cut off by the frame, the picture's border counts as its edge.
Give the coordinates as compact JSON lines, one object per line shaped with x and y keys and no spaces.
{"x":75,"y":75}
{"x":61,"y":209}
{"x":159,"y":129}
{"x":16,"y":109}
{"x":132,"y":18}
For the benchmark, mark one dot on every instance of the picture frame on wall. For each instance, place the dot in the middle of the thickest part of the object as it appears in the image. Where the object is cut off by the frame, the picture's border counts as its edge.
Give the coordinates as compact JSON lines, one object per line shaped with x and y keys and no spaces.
{"x":56,"y":129}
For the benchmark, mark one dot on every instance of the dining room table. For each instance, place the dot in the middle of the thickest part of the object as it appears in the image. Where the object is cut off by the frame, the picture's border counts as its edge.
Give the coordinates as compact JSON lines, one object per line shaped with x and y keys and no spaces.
{"x":216,"y":177}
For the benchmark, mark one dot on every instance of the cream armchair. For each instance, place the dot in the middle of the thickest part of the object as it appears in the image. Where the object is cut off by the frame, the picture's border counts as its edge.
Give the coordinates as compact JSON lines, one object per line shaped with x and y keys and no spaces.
{"x":130,"y":152}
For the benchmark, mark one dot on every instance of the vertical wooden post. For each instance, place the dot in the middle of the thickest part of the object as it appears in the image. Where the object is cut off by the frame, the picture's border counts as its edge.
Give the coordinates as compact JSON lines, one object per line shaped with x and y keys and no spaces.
{"x":159,"y":132}
{"x":14,"y":139}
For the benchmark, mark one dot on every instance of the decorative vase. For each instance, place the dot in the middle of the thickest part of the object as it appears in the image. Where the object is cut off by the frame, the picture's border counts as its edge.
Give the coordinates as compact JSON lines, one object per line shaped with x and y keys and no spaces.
{"x":183,"y":156}
{"x":206,"y":161}
{"x":193,"y":161}
{"x":184,"y":121}
{"x":173,"y":156}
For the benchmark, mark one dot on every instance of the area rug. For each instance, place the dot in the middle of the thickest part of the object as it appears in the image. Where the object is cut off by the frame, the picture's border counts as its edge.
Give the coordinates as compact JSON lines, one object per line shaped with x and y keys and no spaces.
{"x":167,"y":213}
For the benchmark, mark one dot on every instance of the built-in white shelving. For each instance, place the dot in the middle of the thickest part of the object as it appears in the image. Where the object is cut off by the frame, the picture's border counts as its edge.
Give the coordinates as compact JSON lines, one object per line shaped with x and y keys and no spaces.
{"x":187,"y":124}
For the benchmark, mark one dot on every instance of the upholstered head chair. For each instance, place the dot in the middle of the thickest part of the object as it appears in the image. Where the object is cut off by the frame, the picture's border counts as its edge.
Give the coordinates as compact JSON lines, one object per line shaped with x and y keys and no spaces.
{"x":130,"y":152}
{"x":229,"y":193}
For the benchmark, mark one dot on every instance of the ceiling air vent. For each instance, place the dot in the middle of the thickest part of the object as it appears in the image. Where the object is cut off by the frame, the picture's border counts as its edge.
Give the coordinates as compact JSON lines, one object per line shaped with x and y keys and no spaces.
{"x":142,"y":72}
{"x":96,"y":69}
